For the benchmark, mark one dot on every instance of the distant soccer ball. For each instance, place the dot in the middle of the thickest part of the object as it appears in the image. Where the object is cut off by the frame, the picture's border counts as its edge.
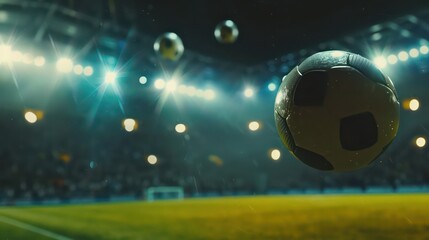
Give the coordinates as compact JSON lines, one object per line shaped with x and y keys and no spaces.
{"x":336,"y":111}
{"x":169,"y":46}
{"x":226,"y":32}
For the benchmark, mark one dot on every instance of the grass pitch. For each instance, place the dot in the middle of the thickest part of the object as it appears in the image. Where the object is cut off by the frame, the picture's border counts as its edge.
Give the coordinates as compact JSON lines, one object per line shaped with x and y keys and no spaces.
{"x":280,"y":217}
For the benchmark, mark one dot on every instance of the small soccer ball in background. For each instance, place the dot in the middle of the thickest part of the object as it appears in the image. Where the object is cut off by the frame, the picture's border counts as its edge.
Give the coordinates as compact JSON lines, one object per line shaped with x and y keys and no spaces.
{"x":169,"y":46}
{"x":226,"y":32}
{"x":336,"y":111}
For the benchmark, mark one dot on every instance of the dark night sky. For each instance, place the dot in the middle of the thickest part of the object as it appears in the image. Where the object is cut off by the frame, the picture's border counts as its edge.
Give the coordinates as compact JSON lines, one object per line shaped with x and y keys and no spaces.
{"x":267,"y":28}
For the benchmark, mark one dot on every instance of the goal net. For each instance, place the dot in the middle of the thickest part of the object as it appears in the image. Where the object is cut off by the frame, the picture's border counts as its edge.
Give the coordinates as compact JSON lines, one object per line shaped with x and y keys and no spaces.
{"x":164,"y":193}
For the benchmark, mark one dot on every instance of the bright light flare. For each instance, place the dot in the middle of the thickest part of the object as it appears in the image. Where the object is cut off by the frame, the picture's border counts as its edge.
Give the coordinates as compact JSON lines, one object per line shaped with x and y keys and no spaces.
{"x":30,"y":117}
{"x":420,"y":142}
{"x":171,"y":86}
{"x":159,"y":84}
{"x":180,"y":128}
{"x":152,"y":159}
{"x":64,"y":65}
{"x":129,"y":124}
{"x":275,"y":154}
{"x":6,"y":53}
{"x":254,"y":126}
{"x":380,"y":62}
{"x":110,"y":77}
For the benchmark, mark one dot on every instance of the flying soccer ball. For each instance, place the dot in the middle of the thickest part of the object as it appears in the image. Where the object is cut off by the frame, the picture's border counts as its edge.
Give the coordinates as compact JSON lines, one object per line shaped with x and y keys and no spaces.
{"x":169,"y":46}
{"x":336,"y":111}
{"x":226,"y":32}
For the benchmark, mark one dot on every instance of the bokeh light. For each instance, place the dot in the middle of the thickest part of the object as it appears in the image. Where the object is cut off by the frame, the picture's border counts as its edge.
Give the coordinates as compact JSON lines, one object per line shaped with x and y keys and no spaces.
{"x":78,"y":69}
{"x":420,"y":142}
{"x":180,"y":128}
{"x":64,"y":65}
{"x":414,"y":53}
{"x":275,"y":154}
{"x":39,"y":61}
{"x":142,"y":80}
{"x":254,"y":126}
{"x":272,"y":87}
{"x":88,"y":71}
{"x":249,"y":92}
{"x":392,"y":59}
{"x":152,"y":159}
{"x":31,"y":117}
{"x":129,"y":124}
{"x":403,"y":56}
{"x":424,"y":49}
{"x":414,"y":104}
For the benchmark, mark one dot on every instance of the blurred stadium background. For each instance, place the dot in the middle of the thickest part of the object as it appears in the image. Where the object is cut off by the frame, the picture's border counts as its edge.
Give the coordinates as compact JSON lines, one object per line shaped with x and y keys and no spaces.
{"x":90,"y":113}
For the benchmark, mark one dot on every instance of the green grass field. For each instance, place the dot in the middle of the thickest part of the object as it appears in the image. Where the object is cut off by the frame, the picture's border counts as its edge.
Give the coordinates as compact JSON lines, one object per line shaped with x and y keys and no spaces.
{"x":280,"y":217}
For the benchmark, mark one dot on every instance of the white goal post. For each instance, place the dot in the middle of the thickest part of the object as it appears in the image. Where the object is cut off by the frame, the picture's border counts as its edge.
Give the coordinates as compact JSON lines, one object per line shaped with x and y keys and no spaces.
{"x":164,"y":193}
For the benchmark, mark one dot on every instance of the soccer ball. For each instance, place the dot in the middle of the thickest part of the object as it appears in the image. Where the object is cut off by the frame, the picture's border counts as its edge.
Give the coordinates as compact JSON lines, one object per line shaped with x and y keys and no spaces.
{"x":226,"y":32}
{"x":336,"y":111}
{"x":169,"y":46}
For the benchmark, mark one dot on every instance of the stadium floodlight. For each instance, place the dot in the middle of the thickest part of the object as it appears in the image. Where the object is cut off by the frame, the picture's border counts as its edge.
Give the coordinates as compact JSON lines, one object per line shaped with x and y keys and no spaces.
{"x":39,"y":61}
{"x":380,"y":62}
{"x":272,"y":87}
{"x":254,"y":126}
{"x":275,"y":154}
{"x":392,"y":59}
{"x":159,"y":83}
{"x":30,"y":117}
{"x":403,"y":56}
{"x":249,"y":92}
{"x":414,"y":104}
{"x":110,"y":77}
{"x":424,"y":49}
{"x":152,"y":159}
{"x":209,"y":94}
{"x":142,"y":80}
{"x":180,"y":128}
{"x":414,"y":53}
{"x":88,"y":71}
{"x":171,"y":86}
{"x":78,"y":69}
{"x":129,"y":124}
{"x":64,"y":65}
{"x":420,"y":142}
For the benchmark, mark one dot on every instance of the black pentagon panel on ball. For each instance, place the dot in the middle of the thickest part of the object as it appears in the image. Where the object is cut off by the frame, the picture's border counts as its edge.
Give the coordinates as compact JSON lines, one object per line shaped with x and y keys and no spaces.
{"x":367,"y":68}
{"x":311,"y":89}
{"x":358,"y":131}
{"x":323,"y":60}
{"x":167,"y":43}
{"x":313,"y":159}
{"x":284,"y":132}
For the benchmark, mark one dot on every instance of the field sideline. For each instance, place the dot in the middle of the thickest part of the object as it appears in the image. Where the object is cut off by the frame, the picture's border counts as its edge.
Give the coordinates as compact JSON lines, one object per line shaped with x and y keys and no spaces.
{"x":389,"y":216}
